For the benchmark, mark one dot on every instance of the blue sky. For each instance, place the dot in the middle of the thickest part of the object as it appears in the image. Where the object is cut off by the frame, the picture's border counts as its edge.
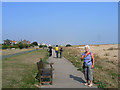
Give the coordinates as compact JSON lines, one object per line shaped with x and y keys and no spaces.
{"x":61,"y":23}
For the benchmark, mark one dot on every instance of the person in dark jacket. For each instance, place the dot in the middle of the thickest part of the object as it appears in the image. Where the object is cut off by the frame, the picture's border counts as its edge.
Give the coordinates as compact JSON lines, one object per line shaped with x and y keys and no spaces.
{"x":50,"y":50}
{"x":61,"y":50}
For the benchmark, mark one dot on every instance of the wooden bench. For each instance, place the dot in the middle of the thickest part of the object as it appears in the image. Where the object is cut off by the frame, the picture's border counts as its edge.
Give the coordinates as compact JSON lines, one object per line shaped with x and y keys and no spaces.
{"x":45,"y":73}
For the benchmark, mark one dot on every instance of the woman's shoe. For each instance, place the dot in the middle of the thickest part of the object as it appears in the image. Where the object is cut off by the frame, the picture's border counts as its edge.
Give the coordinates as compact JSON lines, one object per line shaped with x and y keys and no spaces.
{"x":90,"y":85}
{"x":86,"y":84}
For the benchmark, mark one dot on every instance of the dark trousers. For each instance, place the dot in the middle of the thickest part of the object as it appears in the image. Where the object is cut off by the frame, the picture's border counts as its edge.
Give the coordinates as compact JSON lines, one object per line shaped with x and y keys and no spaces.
{"x":60,"y":54}
{"x":57,"y":54}
{"x":50,"y":53}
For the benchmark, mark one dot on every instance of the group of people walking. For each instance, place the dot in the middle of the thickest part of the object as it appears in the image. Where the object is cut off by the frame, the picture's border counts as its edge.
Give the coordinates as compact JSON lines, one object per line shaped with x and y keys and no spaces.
{"x":88,"y":64}
{"x":57,"y":51}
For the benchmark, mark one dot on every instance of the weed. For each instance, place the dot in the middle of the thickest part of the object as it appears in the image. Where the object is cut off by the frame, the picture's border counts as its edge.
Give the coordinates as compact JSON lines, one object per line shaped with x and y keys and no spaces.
{"x":115,"y":56}
{"x":110,"y":48}
{"x":100,"y":84}
{"x":106,"y":54}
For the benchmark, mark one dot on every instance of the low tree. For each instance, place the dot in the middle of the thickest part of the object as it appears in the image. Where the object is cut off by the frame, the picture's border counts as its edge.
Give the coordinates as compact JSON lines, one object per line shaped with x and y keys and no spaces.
{"x":26,"y":46}
{"x":20,"y":45}
{"x":68,"y":45}
{"x":40,"y":46}
{"x":34,"y":44}
{"x":45,"y":46}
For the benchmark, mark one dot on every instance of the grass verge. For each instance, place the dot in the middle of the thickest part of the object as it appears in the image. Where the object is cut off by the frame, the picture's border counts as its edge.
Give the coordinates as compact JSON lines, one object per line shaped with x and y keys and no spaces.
{"x":20,"y":71}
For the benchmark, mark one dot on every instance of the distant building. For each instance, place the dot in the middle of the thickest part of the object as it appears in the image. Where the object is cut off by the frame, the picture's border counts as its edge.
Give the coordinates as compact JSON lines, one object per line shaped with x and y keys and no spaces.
{"x":28,"y":42}
{"x":7,"y":42}
{"x":39,"y":44}
{"x":42,"y":44}
{"x":16,"y":42}
{"x":11,"y":42}
{"x":25,"y":42}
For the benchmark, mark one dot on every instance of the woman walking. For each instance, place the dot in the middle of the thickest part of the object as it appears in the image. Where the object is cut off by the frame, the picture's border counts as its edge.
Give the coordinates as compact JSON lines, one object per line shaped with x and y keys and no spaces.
{"x":88,"y":65}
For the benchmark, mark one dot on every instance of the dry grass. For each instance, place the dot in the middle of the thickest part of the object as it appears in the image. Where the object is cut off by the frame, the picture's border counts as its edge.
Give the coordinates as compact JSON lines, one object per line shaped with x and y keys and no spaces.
{"x":106,"y":63}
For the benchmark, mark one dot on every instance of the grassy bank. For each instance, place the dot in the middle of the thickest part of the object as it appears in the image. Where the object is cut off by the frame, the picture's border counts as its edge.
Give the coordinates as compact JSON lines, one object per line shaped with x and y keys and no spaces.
{"x":20,"y":71}
{"x":105,"y":73}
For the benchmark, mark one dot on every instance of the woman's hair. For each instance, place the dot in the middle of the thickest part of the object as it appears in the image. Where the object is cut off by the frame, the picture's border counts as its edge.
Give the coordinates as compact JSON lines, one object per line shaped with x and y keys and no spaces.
{"x":87,"y":46}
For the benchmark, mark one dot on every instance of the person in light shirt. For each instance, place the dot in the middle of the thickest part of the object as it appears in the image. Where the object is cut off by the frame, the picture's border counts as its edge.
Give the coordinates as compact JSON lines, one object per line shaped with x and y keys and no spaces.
{"x":88,"y":65}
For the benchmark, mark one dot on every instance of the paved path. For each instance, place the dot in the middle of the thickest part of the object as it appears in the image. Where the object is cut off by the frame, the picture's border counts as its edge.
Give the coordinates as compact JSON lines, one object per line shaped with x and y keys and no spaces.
{"x":15,"y":54}
{"x":65,"y":75}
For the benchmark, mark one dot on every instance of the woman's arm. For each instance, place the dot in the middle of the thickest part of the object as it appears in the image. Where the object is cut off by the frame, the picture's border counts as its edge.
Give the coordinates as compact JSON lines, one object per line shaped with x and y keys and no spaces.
{"x":93,"y":60}
{"x":83,"y":56}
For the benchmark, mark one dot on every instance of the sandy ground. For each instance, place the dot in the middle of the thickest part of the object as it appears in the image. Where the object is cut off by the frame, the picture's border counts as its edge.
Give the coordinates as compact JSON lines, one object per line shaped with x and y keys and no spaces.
{"x":105,"y":51}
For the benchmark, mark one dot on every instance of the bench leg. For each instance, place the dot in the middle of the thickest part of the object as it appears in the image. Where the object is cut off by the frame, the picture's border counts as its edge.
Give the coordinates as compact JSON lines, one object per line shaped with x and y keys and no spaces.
{"x":40,"y":80}
{"x":51,"y":80}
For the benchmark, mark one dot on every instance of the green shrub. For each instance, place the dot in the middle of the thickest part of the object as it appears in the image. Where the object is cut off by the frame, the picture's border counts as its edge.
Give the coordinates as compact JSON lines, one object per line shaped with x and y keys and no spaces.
{"x":68,"y":45}
{"x":45,"y":45}
{"x":4,"y":46}
{"x":40,"y":46}
{"x":99,"y":83}
{"x":34,"y":44}
{"x":14,"y":46}
{"x":26,"y":45}
{"x":20,"y":45}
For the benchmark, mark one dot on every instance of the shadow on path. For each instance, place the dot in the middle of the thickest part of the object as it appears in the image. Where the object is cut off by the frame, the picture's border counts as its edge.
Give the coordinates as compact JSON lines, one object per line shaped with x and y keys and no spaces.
{"x":79,"y":79}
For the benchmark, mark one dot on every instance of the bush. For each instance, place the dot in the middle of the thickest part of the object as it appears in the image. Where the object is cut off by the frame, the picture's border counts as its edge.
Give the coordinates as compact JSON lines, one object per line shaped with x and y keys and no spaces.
{"x":34,"y":44}
{"x":20,"y":45}
{"x":9,"y":46}
{"x":40,"y":46}
{"x":26,"y":45}
{"x":14,"y":46}
{"x":68,"y":45}
{"x":45,"y":45}
{"x":4,"y":46}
